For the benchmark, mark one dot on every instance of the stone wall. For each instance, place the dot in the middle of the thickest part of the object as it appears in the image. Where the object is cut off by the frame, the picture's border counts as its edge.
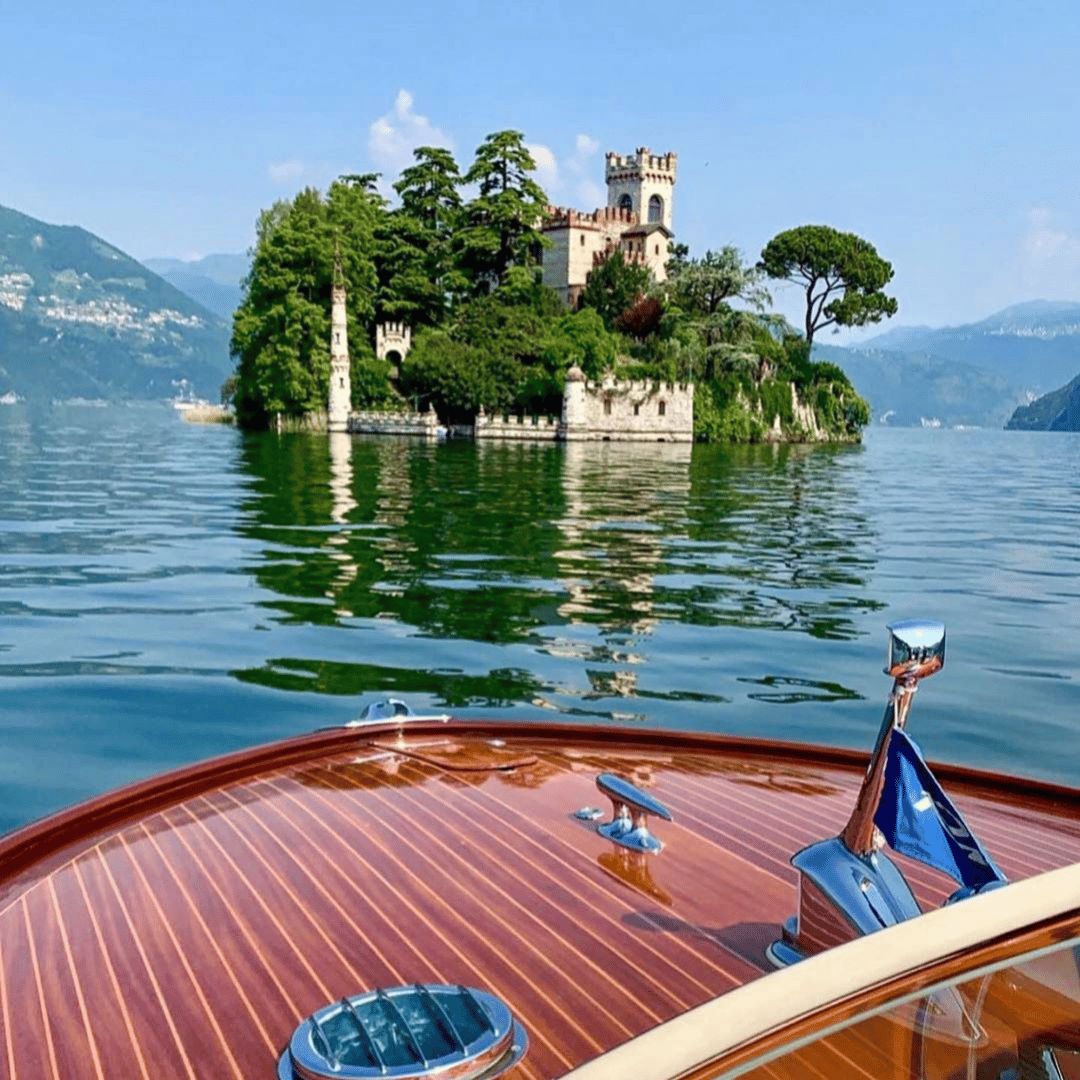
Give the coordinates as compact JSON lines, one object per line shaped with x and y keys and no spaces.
{"x":373,"y":422}
{"x":545,"y":428}
{"x":642,"y":411}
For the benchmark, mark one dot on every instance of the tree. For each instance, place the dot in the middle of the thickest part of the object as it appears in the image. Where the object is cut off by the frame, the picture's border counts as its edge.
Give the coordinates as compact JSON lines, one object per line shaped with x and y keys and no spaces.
{"x":698,"y":287}
{"x":413,"y":242}
{"x":615,"y":286}
{"x":429,"y":189}
{"x":843,"y":276}
{"x":228,"y":390}
{"x":281,"y":330}
{"x":499,"y":228}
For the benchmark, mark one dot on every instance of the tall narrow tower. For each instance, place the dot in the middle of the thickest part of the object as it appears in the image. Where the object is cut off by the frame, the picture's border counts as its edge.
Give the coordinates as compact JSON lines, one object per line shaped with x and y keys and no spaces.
{"x":642,"y":183}
{"x":340,"y":403}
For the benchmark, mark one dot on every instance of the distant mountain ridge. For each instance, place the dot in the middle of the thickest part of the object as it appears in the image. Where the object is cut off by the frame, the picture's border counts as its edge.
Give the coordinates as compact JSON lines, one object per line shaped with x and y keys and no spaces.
{"x":971,"y":375}
{"x":213,"y":280}
{"x":919,"y":389}
{"x":1035,"y":346}
{"x":80,"y":318}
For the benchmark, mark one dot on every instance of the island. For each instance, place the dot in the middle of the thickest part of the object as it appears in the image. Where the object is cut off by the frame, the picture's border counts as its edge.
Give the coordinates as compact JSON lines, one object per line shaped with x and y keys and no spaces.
{"x":496,"y":315}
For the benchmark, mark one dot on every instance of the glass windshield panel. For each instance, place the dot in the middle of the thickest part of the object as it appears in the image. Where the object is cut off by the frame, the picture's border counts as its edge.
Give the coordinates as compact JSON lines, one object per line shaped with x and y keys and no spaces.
{"x":1014,"y":1021}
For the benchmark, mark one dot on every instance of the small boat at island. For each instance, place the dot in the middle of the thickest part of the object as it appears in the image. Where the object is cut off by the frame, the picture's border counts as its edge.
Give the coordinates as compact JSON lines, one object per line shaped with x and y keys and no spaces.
{"x":423,"y":896}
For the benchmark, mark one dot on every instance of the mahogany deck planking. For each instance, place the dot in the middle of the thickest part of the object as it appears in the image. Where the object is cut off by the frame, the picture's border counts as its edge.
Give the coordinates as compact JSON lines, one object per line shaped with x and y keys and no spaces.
{"x":189,"y":942}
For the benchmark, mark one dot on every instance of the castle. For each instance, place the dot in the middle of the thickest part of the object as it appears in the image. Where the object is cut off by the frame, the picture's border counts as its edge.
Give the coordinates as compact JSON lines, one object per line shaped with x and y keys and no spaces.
{"x":637,"y":220}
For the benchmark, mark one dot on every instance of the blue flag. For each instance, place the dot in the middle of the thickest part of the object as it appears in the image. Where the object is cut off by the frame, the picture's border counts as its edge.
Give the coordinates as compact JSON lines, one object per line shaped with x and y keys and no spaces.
{"x":919,"y":820}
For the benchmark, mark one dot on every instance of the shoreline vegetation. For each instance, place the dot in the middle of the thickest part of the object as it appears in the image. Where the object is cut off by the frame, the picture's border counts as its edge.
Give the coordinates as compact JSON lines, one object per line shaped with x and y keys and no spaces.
{"x":488,"y":335}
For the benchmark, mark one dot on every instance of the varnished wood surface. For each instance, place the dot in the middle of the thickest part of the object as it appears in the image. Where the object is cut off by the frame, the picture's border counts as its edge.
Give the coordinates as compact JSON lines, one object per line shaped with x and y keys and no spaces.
{"x":186,"y":931}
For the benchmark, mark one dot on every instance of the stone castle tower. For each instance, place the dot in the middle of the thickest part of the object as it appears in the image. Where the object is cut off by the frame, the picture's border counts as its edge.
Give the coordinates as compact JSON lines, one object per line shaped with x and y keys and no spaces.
{"x":340,"y":403}
{"x":642,"y":183}
{"x":392,"y":343}
{"x":637,"y":221}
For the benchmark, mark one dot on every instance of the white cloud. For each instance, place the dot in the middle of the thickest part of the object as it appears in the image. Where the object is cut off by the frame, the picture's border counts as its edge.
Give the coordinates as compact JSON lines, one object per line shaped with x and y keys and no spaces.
{"x":393,"y":137}
{"x":547,"y":168}
{"x":587,"y":172}
{"x":586,"y":145}
{"x":1050,"y":261}
{"x":577,"y":179}
{"x":284,"y":171}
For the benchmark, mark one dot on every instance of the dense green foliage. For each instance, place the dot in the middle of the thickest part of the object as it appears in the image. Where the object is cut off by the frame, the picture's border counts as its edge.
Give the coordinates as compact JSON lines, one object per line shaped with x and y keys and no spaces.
{"x":842,"y":274}
{"x":487,"y":335}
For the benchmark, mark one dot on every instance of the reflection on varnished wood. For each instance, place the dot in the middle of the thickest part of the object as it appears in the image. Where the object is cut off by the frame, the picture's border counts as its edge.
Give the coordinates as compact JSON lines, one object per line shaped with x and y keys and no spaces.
{"x":632,"y":868}
{"x":474,"y":755}
{"x":188,"y":940}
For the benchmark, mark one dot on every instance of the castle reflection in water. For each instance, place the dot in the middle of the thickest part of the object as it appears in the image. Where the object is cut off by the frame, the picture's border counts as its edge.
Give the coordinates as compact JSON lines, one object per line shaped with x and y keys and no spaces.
{"x":546,"y":573}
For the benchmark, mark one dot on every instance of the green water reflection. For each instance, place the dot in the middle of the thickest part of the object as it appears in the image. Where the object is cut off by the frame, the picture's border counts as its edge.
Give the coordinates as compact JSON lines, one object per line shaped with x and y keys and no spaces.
{"x":580,"y":553}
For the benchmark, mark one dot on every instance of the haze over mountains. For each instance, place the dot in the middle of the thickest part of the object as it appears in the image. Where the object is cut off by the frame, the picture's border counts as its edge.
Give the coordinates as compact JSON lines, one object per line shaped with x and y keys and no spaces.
{"x":213,"y":280}
{"x":80,"y":318}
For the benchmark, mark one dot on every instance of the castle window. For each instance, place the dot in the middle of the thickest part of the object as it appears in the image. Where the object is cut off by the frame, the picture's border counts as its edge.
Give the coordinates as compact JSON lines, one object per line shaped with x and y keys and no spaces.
{"x":657,"y":249}
{"x":607,"y":406}
{"x":582,"y":239}
{"x":663,"y":408}
{"x":637,"y":409}
{"x":656,"y":208}
{"x":337,"y":337}
{"x":343,"y":384}
{"x":626,"y":203}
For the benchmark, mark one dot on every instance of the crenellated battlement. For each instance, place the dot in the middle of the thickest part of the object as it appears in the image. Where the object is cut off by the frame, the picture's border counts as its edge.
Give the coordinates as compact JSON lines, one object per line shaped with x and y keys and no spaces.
{"x":635,"y":386}
{"x":561,"y":217}
{"x":637,"y":165}
{"x":392,"y":337}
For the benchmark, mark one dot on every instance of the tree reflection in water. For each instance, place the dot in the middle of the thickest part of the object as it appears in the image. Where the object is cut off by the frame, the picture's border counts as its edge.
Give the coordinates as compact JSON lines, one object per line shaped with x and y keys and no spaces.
{"x":578,"y":578}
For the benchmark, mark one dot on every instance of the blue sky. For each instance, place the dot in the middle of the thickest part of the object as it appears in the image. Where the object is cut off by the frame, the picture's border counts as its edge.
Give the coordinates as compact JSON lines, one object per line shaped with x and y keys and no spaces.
{"x":945,"y":133}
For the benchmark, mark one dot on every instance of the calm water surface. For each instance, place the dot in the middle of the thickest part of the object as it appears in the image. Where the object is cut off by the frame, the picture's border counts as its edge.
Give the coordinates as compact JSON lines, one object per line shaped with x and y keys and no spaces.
{"x":172,"y":591}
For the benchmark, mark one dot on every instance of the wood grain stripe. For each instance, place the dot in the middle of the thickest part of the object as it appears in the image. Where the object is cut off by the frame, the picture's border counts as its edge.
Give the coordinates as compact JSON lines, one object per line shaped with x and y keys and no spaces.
{"x":111,"y":971}
{"x":404,"y":886}
{"x":42,"y":1003}
{"x":5,"y":1015}
{"x":230,"y":973}
{"x":505,"y":817}
{"x":92,"y":1042}
{"x":168,"y":1016}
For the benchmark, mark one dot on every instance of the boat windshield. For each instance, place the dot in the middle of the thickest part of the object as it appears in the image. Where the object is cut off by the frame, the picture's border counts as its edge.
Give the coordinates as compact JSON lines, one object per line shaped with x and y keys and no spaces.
{"x":1018,"y":1019}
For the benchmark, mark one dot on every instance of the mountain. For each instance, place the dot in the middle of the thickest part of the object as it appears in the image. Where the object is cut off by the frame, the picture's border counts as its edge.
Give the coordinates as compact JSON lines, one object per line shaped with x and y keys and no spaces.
{"x":213,"y":281}
{"x":1056,"y":411}
{"x":909,"y":389}
{"x":1034,"y":346}
{"x":79,"y":318}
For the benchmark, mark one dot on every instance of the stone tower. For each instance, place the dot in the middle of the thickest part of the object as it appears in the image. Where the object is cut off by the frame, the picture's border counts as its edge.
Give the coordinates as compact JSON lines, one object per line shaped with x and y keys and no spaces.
{"x":392,"y":342}
{"x":340,"y":404}
{"x":642,"y":183}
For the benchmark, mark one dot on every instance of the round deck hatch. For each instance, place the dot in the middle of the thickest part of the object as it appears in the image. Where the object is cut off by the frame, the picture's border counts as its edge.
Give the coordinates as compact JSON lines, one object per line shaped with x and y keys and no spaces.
{"x":405,"y":1032}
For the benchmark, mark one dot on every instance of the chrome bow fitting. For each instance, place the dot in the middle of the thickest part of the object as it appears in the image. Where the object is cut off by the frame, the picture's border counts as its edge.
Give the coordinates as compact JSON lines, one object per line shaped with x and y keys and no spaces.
{"x":847,"y":886}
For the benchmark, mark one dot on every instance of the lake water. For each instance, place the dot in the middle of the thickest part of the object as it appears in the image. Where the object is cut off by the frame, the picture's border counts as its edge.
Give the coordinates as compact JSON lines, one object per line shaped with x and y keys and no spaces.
{"x":171,"y":591}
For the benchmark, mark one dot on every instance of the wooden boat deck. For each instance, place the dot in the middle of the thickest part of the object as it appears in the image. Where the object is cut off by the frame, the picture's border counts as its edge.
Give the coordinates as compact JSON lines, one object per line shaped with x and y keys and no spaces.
{"x":183,"y":928}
